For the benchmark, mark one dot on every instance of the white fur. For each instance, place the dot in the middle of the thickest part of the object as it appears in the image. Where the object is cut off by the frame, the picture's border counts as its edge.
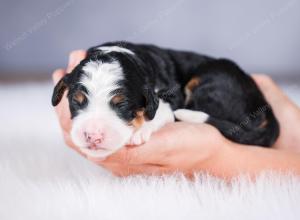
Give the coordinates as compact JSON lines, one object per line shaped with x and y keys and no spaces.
{"x":100,"y":80}
{"x":42,"y":178}
{"x":108,"y":49}
{"x":163,"y":115}
{"x":191,"y":116}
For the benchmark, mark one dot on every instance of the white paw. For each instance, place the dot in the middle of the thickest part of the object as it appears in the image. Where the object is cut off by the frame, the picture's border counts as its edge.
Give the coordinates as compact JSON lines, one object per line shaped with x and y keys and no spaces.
{"x":141,"y":136}
{"x":191,"y":116}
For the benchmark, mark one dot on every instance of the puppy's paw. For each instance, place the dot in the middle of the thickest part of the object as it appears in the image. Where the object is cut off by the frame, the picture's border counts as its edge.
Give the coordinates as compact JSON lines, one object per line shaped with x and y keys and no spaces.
{"x":191,"y":116}
{"x":141,"y":136}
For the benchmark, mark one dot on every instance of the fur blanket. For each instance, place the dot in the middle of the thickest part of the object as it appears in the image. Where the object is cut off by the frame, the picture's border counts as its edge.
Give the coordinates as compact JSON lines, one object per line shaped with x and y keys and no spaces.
{"x":40,"y":178}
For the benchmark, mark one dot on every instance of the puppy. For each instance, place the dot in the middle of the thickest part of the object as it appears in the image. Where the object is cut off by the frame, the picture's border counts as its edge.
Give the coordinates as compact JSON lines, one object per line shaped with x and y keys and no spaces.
{"x":123,"y":92}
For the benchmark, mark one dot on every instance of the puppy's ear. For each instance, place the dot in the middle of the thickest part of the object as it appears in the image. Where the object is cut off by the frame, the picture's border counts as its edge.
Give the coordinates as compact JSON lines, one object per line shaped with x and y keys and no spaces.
{"x":59,"y":90}
{"x":151,"y":104}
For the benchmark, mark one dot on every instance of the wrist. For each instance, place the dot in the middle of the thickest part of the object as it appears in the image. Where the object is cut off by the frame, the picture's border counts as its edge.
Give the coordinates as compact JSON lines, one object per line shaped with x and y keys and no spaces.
{"x":219,"y":162}
{"x":223,"y":165}
{"x":236,"y":159}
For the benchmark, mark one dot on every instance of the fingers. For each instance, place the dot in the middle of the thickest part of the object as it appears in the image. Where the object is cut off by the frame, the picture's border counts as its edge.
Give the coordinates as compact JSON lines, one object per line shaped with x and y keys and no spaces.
{"x":57,"y":75}
{"x":272,"y":92}
{"x":132,"y":156}
{"x":265,"y":82}
{"x":126,"y":156}
{"x":62,"y":109}
{"x":157,"y":149}
{"x":74,"y":59}
{"x":150,"y":152}
{"x":124,"y":171}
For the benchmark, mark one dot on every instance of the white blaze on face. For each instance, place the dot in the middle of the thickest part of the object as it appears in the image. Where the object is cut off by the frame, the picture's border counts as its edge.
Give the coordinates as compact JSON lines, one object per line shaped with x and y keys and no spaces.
{"x":108,"y":49}
{"x":98,"y":123}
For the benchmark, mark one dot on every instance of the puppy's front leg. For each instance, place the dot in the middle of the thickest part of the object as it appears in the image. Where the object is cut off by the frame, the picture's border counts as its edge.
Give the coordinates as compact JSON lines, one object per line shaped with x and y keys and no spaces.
{"x":164,"y":114}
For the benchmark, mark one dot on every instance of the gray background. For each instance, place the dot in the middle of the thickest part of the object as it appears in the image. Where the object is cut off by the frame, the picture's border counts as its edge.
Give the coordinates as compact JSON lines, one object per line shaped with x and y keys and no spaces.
{"x":262,"y":36}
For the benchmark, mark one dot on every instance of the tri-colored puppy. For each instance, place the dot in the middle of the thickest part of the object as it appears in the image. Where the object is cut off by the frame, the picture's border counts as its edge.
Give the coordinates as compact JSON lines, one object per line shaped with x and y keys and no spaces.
{"x":123,"y":92}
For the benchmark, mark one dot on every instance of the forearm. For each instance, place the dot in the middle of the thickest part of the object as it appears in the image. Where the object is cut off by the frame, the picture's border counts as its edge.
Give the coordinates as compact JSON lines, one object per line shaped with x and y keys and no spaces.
{"x":238,"y":159}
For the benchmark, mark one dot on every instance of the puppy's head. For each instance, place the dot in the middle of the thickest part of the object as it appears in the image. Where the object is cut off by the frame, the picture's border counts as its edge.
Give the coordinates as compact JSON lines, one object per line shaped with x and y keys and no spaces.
{"x":109,"y":99}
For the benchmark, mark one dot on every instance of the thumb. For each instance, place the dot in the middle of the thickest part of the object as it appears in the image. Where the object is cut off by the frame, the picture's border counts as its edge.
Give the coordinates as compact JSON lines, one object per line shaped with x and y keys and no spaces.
{"x":74,"y":59}
{"x":57,"y":75}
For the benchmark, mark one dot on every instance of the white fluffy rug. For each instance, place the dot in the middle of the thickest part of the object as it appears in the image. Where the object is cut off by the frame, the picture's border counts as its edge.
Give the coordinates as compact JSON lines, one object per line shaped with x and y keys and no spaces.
{"x":40,"y":178}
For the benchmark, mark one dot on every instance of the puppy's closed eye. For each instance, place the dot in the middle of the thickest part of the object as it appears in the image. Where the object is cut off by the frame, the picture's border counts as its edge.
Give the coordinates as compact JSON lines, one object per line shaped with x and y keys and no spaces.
{"x":79,"y":97}
{"x":117,"y":99}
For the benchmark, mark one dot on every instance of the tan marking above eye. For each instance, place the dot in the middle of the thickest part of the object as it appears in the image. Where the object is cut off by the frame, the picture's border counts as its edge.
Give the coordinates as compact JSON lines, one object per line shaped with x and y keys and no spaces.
{"x":117,"y":99}
{"x":79,"y":97}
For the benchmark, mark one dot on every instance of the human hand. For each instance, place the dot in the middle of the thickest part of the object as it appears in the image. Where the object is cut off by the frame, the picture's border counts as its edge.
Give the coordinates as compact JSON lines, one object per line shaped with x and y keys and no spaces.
{"x":286,"y":112}
{"x":171,"y":149}
{"x":62,"y":109}
{"x":177,"y":147}
{"x":164,"y":153}
{"x":202,"y":150}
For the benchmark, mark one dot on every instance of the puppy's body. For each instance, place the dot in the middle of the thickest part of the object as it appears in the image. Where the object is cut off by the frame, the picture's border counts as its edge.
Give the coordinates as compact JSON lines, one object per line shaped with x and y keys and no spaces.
{"x":139,"y":88}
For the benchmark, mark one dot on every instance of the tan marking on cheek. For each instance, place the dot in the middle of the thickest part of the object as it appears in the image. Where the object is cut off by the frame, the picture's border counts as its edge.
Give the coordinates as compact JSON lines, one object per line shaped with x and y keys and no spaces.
{"x":264,"y":123}
{"x":139,"y":120}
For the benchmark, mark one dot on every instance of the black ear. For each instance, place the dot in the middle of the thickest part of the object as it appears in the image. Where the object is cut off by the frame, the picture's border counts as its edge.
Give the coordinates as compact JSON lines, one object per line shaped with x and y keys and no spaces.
{"x":152,"y":102}
{"x":59,"y":90}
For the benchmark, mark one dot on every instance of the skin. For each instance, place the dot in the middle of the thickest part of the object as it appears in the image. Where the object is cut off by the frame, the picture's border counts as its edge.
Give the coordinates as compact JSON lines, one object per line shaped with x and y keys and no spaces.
{"x":189,"y":148}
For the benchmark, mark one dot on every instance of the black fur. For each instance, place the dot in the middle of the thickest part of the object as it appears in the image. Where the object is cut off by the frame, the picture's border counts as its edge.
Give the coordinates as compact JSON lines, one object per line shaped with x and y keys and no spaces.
{"x":231,"y":98}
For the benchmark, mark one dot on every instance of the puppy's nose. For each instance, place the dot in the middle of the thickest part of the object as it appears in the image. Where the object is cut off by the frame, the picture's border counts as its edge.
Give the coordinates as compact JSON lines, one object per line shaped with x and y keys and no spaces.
{"x":94,"y":138}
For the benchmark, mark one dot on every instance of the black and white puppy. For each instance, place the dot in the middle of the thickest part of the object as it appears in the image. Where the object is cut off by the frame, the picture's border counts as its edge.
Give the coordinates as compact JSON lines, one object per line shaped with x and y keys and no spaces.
{"x":123,"y":92}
